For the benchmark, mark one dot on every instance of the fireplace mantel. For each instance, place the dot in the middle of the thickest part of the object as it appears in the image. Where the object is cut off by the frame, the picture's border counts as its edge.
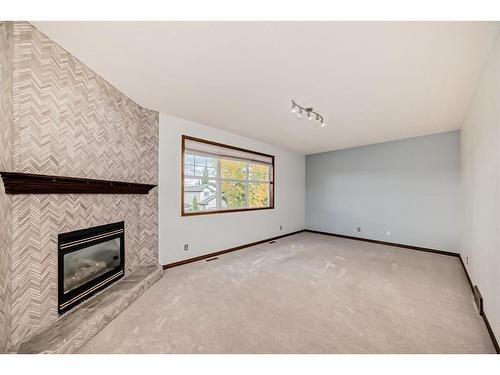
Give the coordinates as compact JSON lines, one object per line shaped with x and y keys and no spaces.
{"x":25,"y":183}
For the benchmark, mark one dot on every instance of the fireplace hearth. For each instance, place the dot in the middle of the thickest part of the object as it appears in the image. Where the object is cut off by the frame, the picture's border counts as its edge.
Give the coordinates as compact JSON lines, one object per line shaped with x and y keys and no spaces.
{"x":89,"y":260}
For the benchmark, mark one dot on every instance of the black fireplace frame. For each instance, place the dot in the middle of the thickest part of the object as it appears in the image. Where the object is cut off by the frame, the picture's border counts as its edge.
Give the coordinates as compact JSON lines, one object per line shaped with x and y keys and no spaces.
{"x":93,"y":236}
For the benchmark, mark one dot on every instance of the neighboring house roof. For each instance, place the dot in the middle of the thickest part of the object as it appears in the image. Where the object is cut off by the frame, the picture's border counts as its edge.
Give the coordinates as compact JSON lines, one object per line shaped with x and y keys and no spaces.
{"x":198,"y":188}
{"x":207,"y":200}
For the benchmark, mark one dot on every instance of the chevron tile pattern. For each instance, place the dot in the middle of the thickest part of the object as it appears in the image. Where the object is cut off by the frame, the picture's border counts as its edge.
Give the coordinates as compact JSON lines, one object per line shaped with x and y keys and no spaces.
{"x":66,"y":120}
{"x":148,"y":226}
{"x":6,"y":51}
{"x":149,"y":146}
{"x":6,"y":31}
{"x":5,"y":286}
{"x":34,"y":271}
{"x":66,"y":336}
{"x":149,"y":174}
{"x":37,"y":220}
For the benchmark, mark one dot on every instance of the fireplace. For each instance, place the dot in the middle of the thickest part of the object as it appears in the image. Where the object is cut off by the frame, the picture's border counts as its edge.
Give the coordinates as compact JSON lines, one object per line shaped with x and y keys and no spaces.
{"x":88,"y":261}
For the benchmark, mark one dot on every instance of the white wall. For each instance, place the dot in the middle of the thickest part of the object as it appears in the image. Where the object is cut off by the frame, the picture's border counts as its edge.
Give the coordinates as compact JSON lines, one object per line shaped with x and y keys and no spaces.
{"x":481,"y":188}
{"x":408,"y":187}
{"x":209,"y":233}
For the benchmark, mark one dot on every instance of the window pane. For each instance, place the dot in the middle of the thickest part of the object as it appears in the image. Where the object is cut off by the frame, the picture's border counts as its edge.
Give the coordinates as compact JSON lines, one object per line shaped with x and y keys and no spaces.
{"x":258,"y":172}
{"x":198,"y":170}
{"x":212,"y":172}
{"x":211,"y":163}
{"x":235,"y":179}
{"x":189,"y":170}
{"x":232,"y":169}
{"x":191,"y":181}
{"x":258,"y":195}
{"x":233,"y":194}
{"x":200,"y":160}
{"x":199,"y":196}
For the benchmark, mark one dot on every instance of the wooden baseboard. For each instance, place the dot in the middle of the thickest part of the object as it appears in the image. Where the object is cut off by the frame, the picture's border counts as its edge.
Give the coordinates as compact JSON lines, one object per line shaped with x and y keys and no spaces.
{"x":411,"y":247}
{"x":210,"y":255}
{"x":441,"y":252}
{"x":490,"y":331}
{"x":483,"y":314}
{"x":467,"y":275}
{"x":395,"y":244}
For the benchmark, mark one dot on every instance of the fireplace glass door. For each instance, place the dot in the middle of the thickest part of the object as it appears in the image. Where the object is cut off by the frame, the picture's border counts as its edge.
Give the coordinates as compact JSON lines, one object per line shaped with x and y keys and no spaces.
{"x":89,"y":263}
{"x":89,"y":260}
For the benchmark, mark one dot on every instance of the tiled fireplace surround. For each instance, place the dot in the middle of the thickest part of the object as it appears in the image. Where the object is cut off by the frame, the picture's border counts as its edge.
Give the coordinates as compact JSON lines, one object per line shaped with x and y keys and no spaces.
{"x":57,"y":117}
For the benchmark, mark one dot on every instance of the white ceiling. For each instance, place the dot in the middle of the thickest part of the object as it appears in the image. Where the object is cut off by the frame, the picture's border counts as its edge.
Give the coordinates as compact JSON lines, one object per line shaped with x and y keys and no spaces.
{"x":372,"y":81}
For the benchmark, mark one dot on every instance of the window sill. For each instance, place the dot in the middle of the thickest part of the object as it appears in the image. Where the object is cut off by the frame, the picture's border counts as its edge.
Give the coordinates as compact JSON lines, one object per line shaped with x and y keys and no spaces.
{"x":211,"y":212}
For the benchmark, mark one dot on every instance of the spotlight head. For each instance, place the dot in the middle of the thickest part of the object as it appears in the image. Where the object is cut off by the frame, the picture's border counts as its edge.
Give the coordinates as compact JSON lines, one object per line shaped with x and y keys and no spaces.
{"x":309,"y":116}
{"x":322,"y":124}
{"x":299,"y":114}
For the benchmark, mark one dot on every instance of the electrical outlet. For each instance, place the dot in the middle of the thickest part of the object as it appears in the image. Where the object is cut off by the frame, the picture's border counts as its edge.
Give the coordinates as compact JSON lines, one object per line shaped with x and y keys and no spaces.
{"x":388,"y":233}
{"x":358,"y":229}
{"x":281,"y":227}
{"x":186,"y":247}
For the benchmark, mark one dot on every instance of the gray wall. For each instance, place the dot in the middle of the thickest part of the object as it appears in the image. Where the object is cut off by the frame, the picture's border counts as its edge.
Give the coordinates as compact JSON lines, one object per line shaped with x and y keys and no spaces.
{"x":408,"y":187}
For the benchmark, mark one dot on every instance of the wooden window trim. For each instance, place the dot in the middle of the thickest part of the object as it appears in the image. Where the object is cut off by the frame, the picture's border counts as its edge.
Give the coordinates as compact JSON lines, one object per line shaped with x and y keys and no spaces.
{"x":183,"y":148}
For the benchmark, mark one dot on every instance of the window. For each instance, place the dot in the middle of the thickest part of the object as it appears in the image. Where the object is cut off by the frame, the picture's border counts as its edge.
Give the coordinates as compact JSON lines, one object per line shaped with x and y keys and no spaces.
{"x":222,"y":178}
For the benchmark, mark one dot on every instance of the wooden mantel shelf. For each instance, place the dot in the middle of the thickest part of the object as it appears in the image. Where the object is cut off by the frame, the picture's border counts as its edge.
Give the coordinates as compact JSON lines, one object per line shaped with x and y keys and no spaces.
{"x":25,"y":183}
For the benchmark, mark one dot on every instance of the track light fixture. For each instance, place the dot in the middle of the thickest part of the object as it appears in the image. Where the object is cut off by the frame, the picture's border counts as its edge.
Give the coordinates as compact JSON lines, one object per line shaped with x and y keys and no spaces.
{"x":299,"y":111}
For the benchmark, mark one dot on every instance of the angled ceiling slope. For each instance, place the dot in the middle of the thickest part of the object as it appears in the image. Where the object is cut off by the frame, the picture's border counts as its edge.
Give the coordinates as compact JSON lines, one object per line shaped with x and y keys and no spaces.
{"x":373,"y":81}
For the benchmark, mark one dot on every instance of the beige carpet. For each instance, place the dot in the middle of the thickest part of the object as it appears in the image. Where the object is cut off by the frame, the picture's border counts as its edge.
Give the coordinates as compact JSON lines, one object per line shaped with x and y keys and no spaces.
{"x":306,"y":293}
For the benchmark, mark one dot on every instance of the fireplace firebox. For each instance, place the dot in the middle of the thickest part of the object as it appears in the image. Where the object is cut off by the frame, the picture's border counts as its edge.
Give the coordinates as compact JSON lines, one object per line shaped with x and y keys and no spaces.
{"x":88,"y":261}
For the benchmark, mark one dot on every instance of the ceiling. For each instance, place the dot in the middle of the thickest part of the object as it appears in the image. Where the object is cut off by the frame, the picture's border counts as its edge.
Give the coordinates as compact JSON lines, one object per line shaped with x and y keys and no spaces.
{"x":372,"y":81}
